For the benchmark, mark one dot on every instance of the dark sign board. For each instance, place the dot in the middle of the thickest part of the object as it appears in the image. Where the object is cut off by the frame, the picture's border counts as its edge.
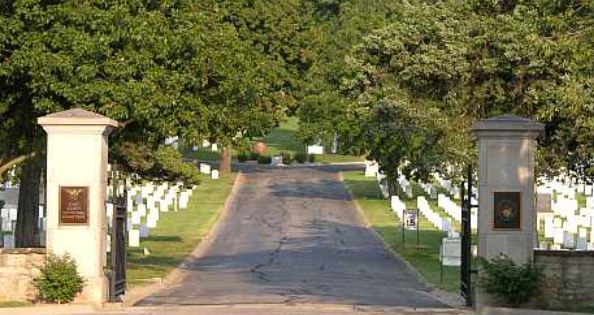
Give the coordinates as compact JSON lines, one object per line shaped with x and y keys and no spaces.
{"x":411,"y":219}
{"x":507,"y":210}
{"x":74,"y":205}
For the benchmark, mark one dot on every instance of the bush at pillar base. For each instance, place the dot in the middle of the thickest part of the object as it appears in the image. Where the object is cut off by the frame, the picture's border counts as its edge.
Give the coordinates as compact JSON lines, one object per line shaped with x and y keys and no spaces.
{"x":60,"y":281}
{"x":510,"y":283}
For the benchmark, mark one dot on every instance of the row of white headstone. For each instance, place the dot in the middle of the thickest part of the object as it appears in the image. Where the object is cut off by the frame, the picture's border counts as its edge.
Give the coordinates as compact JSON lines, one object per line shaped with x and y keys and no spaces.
{"x":206,"y":169}
{"x":174,"y":142}
{"x":451,"y":208}
{"x":439,"y":222}
{"x":568,"y":225}
{"x":145,"y":204}
{"x":8,"y":217}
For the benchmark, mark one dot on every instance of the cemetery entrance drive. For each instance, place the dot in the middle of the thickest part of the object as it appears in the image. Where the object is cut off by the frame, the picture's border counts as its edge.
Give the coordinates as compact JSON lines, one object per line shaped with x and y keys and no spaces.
{"x":294,"y":236}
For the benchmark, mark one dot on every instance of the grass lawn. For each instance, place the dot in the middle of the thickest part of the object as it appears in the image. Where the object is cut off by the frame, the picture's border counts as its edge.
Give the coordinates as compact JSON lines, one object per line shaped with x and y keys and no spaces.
{"x":178,"y":233}
{"x":578,"y":309}
{"x":425,"y":259}
{"x":280,"y":140}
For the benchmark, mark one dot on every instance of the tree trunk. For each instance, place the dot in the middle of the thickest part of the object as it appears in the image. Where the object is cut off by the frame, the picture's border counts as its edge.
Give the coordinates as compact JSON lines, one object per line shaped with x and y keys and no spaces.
{"x":225,"y":166}
{"x":28,"y":208}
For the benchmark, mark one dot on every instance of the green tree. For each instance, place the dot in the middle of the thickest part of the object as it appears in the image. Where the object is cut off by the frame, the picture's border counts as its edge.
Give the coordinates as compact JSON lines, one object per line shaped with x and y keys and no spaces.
{"x":339,"y":25}
{"x":468,"y":60}
{"x":168,"y":68}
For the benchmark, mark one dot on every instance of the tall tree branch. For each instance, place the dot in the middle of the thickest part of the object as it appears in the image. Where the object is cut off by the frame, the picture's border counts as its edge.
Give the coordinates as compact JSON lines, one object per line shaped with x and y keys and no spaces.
{"x":17,"y":160}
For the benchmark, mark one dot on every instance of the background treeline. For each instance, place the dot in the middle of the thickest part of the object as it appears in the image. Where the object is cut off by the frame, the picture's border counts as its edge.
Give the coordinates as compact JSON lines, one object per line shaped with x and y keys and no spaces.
{"x":400,"y":81}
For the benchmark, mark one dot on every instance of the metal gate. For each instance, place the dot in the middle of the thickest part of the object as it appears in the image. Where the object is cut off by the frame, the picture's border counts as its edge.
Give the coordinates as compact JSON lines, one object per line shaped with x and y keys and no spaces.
{"x":118,"y":233}
{"x":466,"y":287}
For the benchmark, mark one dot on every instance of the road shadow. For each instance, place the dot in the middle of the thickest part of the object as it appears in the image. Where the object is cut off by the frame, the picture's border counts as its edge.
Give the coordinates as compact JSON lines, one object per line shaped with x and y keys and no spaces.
{"x":334,"y":263}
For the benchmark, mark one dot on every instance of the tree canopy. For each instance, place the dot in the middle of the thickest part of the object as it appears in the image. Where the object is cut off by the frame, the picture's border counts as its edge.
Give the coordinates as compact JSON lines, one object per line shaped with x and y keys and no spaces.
{"x":168,"y":68}
{"x":461,"y":61}
{"x":399,"y":81}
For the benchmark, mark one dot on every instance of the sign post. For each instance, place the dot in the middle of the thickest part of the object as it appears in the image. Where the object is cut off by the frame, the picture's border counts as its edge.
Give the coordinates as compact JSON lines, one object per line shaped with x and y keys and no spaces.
{"x":410,"y":222}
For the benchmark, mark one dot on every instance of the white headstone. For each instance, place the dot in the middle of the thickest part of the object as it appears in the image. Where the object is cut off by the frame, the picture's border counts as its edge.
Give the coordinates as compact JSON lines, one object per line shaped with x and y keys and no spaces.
{"x":141,"y":210}
{"x":276,"y":160}
{"x":164,"y":205}
{"x":8,"y":241}
{"x":136,"y":218}
{"x":451,"y":252}
{"x":582,"y":239}
{"x":12,"y":214}
{"x":215,"y":174}
{"x":205,"y":168}
{"x":559,"y":236}
{"x":133,"y":238}
{"x":7,"y":225}
{"x":151,"y":220}
{"x":549,"y":228}
{"x":315,"y":149}
{"x":371,"y":168}
{"x":568,"y":240}
{"x":144,"y":231}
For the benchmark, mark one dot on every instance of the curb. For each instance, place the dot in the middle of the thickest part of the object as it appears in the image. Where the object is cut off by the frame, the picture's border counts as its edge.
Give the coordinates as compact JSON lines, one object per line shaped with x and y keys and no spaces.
{"x":50,"y":310}
{"x":519,"y":311}
{"x":287,"y":308}
{"x":395,"y":254}
{"x":178,"y":274}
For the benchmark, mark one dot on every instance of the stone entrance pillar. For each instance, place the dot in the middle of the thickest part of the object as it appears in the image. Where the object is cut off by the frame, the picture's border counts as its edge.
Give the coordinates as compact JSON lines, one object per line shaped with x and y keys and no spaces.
{"x":506,"y":218}
{"x":77,"y":142}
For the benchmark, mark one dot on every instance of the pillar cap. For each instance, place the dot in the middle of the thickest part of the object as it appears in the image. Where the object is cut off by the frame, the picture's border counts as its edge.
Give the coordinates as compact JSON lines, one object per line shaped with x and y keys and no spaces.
{"x":76,"y":116}
{"x":509,"y":123}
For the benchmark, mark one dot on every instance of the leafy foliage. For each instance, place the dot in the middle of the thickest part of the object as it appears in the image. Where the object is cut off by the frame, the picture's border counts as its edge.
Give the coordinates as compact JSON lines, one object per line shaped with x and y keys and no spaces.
{"x":59,"y":281}
{"x":264,"y":159}
{"x":287,"y":158}
{"x":160,"y":68}
{"x":243,"y":156}
{"x":162,"y":163}
{"x":514,"y":284}
{"x":301,"y":157}
{"x":456,"y":62}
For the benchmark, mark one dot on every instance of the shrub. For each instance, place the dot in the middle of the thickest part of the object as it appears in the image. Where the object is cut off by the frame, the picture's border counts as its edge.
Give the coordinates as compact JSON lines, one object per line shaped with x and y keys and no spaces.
{"x":301,"y":157}
{"x":59,"y":281}
{"x":242,"y":157}
{"x":254,"y":156}
{"x":287,"y":159}
{"x":311,"y":158}
{"x":514,"y":284}
{"x":264,"y":159}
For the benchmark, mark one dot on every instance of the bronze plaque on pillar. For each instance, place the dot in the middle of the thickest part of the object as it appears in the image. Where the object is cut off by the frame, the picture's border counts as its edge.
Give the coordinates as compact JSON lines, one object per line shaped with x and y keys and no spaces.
{"x":507,"y":210}
{"x":74,"y":205}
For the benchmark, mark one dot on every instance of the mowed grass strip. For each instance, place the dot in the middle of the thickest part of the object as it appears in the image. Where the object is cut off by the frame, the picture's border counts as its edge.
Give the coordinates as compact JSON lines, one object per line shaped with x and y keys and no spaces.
{"x":282,"y":139}
{"x":178,"y":233}
{"x":425,"y":258}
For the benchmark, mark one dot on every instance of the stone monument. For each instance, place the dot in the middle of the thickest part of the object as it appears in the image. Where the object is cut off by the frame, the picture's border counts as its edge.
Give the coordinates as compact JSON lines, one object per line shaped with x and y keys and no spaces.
{"x":507,"y":214}
{"x":77,"y":143}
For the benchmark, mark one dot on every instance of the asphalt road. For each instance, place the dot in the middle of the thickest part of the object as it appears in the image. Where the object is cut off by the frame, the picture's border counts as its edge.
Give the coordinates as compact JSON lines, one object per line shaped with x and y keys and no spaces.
{"x":293,"y":236}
